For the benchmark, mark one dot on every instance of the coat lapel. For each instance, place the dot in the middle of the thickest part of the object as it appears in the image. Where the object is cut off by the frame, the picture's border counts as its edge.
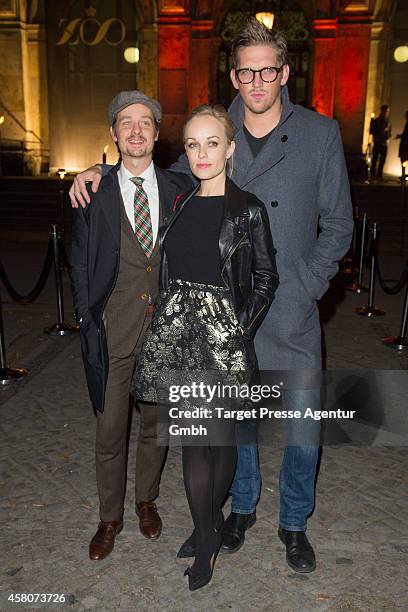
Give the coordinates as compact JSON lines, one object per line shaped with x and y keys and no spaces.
{"x":235,"y":200}
{"x":167,"y":191}
{"x":230,"y":232}
{"x":244,"y":160}
{"x":270,"y":155}
{"x":111,"y":203}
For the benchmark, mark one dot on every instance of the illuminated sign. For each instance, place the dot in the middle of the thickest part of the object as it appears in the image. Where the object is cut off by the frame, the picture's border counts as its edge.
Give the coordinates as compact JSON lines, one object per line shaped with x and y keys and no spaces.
{"x":90,"y":31}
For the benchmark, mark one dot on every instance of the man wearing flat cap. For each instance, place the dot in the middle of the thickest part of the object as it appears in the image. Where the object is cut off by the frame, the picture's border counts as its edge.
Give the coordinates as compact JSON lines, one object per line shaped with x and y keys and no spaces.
{"x":114,"y":270}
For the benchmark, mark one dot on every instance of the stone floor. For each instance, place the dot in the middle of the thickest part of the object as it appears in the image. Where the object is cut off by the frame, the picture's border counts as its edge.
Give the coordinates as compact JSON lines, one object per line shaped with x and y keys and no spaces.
{"x":48,"y":500}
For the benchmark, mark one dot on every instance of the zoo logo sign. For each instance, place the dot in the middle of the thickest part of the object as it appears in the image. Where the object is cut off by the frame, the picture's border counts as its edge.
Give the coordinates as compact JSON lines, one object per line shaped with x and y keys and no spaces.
{"x":76,"y":29}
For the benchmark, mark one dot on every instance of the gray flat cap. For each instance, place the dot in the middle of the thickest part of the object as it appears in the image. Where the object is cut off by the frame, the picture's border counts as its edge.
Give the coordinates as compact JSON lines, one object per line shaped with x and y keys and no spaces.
{"x":126,"y":98}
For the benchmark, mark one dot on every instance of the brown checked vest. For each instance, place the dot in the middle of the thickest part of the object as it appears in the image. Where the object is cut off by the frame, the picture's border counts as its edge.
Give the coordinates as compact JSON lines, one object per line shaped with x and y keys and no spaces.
{"x":138,"y":278}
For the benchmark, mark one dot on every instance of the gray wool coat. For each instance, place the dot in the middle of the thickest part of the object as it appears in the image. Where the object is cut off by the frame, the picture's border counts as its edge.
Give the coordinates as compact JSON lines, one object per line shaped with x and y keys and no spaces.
{"x":300,"y":175}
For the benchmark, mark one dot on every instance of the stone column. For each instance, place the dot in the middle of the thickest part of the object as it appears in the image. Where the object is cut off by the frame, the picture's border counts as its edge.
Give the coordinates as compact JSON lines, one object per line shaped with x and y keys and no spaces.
{"x":324,"y":65}
{"x":352,"y":63}
{"x":147,"y":80}
{"x":216,"y":44}
{"x":35,"y":98}
{"x":23,"y":92}
{"x":201,"y":62}
{"x":174,"y":37}
{"x":379,"y":46}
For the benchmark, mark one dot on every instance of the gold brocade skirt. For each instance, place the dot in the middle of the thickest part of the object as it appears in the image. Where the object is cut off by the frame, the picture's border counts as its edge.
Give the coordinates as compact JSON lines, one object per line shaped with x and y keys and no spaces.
{"x":194,"y":336}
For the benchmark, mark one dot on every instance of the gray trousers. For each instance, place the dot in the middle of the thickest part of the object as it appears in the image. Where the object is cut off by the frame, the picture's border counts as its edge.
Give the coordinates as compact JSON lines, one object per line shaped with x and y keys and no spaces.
{"x":111,"y":441}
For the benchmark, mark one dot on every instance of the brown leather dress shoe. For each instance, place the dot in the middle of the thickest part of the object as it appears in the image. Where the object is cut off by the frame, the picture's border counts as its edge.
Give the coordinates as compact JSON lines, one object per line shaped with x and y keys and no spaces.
{"x":150,"y":523}
{"x":104,"y":539}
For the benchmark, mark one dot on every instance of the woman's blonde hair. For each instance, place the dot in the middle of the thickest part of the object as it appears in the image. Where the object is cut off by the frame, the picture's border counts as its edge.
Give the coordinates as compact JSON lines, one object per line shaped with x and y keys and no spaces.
{"x":218,"y":112}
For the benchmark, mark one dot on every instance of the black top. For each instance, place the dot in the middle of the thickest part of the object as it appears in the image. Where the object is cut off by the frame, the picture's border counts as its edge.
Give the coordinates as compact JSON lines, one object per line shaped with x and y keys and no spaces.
{"x":255,"y":144}
{"x":191,"y":244}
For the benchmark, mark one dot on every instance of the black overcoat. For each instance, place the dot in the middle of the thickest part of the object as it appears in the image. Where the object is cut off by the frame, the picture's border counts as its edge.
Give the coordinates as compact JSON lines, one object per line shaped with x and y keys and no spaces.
{"x":95,"y":256}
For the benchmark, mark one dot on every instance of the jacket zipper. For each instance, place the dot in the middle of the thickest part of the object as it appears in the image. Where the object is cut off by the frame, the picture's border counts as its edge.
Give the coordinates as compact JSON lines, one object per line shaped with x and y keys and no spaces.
{"x":230,"y":254}
{"x":256,"y":316}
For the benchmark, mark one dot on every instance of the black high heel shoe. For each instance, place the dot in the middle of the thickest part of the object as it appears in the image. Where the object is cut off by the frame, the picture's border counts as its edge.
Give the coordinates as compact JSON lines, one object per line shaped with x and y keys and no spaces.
{"x":196,"y":580}
{"x":188,"y":549}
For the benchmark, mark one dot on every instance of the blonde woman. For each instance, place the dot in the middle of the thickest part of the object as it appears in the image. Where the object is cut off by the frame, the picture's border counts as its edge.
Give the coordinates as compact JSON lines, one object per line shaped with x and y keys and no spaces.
{"x":218,"y":279}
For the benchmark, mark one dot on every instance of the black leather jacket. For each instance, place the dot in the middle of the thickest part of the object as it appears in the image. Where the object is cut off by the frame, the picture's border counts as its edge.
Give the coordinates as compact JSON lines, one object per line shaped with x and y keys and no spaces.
{"x":248,"y":266}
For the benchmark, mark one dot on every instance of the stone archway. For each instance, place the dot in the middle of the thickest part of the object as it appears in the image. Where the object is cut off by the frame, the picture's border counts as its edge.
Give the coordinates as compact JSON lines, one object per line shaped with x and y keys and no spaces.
{"x":147,"y":39}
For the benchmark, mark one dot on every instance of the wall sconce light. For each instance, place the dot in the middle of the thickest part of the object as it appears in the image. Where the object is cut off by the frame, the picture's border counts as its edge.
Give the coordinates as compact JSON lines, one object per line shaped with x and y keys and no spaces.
{"x":61,"y":173}
{"x":266,"y":18}
{"x":2,"y":119}
{"x":131,"y":55}
{"x":401,"y":54}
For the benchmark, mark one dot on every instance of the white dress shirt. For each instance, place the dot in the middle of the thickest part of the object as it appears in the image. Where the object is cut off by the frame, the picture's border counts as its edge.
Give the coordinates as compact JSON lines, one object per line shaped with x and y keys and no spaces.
{"x":150,"y":186}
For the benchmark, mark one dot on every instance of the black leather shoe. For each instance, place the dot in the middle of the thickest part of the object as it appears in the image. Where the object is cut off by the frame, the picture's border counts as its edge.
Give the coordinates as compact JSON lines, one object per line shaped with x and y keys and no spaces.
{"x":299,"y":552}
{"x":188,"y":549}
{"x":233,"y":533}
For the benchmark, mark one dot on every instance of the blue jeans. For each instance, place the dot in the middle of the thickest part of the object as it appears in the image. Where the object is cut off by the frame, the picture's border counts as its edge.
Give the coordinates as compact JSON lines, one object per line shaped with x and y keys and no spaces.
{"x":246,"y":486}
{"x":298,"y":469}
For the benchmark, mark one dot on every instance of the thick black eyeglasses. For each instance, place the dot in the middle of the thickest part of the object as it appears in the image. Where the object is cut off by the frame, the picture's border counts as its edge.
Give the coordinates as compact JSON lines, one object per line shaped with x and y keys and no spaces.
{"x":268,"y":74}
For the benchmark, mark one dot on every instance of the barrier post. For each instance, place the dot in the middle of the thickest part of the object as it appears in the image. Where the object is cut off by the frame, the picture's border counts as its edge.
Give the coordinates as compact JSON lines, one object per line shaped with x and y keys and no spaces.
{"x":370,"y":310}
{"x":357,"y":287}
{"x":404,"y":211}
{"x":7,"y":375}
{"x":400,"y":342}
{"x":60,"y":328}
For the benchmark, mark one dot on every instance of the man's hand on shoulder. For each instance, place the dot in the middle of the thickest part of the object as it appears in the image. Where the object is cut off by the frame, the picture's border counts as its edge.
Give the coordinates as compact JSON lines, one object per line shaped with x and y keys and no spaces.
{"x":78,"y":193}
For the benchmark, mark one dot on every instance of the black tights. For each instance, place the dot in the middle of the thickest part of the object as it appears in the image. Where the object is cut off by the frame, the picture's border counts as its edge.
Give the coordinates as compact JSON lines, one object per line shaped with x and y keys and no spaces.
{"x":208,"y":472}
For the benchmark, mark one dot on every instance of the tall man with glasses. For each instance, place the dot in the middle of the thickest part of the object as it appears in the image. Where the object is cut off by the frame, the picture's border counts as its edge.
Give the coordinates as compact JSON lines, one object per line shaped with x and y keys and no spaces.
{"x":293,"y":160}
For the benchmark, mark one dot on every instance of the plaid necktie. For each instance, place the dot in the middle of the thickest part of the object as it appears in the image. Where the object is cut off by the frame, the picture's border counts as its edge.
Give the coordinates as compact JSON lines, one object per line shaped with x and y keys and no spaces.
{"x":143,"y":223}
